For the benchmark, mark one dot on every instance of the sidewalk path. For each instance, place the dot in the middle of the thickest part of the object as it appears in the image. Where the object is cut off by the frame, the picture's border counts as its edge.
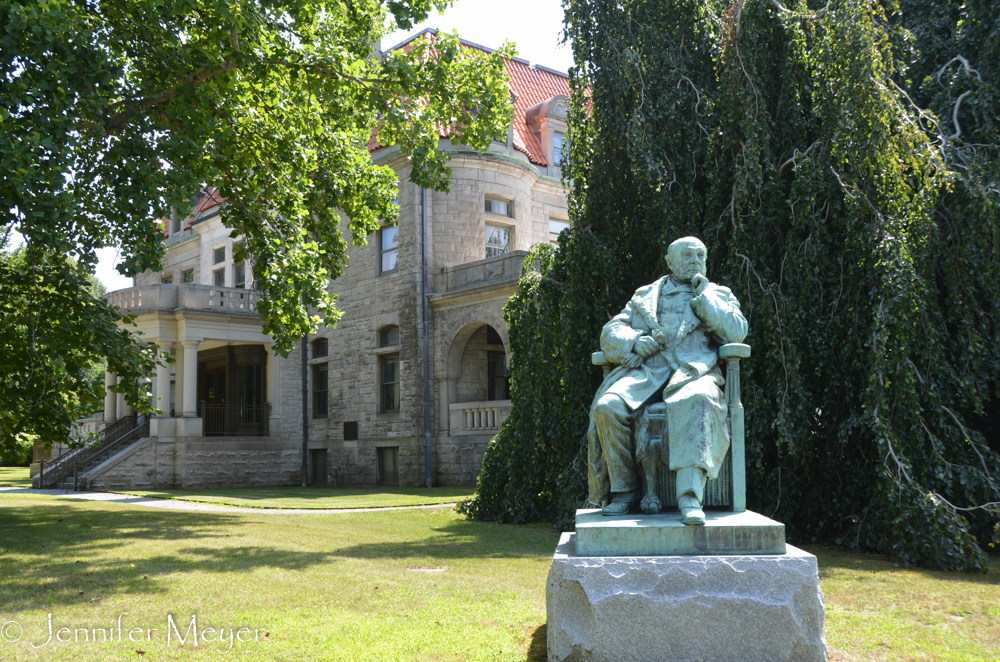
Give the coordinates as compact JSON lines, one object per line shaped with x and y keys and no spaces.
{"x":172,"y":504}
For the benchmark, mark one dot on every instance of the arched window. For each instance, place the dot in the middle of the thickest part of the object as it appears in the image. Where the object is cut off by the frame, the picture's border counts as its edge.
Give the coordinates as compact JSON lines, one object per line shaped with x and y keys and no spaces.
{"x":388,"y":336}
{"x":319,"y":348}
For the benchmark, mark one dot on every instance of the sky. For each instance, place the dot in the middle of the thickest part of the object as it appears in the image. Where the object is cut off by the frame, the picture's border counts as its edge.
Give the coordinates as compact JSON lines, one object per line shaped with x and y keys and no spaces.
{"x":535,"y":26}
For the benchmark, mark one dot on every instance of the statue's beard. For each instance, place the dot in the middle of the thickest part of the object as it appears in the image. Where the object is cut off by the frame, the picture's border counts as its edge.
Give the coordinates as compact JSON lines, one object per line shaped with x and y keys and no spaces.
{"x":685,"y":274}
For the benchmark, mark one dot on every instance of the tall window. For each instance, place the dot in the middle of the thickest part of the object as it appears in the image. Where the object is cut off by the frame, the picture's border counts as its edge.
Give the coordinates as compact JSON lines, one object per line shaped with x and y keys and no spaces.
{"x":320,"y":388}
{"x":497,"y":240}
{"x":219,"y":277}
{"x":498,"y":383}
{"x":240,"y":275}
{"x":558,"y":147}
{"x":389,"y":383}
{"x":389,"y":248}
{"x":220,"y":255}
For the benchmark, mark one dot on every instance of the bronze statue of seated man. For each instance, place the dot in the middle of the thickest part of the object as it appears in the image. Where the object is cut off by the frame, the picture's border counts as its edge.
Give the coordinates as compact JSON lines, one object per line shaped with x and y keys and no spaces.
{"x":665,"y":342}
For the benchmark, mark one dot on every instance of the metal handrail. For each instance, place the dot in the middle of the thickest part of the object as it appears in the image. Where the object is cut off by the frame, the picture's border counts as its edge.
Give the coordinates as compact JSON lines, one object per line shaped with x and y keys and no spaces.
{"x":62,"y":466}
{"x":141,"y":431}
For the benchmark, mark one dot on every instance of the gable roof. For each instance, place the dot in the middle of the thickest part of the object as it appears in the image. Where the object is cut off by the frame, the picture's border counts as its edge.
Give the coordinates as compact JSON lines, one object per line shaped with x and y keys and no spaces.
{"x":529,"y":85}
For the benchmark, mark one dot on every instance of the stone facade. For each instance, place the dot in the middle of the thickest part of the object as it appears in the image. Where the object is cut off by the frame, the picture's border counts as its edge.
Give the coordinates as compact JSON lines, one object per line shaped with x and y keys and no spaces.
{"x":373,"y":428}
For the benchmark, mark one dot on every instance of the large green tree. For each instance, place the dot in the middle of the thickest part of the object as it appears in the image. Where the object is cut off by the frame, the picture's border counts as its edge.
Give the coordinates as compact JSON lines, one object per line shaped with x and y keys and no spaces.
{"x":112,"y":113}
{"x":840,"y":159}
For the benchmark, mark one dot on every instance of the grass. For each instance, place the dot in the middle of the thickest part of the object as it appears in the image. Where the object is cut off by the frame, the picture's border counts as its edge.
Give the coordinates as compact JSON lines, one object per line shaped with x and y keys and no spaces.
{"x":14,"y":477}
{"x":316,"y":497}
{"x":392,"y":585}
{"x":876,"y":611}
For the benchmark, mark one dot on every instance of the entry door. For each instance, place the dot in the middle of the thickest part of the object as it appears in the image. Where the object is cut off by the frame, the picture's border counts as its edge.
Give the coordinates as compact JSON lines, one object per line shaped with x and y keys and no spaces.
{"x":317,"y":458}
{"x":215,"y":386}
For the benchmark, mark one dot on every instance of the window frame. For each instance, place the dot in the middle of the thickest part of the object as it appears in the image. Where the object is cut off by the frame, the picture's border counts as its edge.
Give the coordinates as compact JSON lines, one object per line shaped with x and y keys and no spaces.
{"x":383,"y":360}
{"x":489,"y":210}
{"x":321,"y":397}
{"x":510,"y":239}
{"x":187,"y":276}
{"x":316,"y":344}
{"x":382,"y":251}
{"x":167,"y":280}
{"x":215,"y":255}
{"x":558,"y":153}
{"x":383,"y":341}
{"x":216,"y":277}
{"x":240,"y":268}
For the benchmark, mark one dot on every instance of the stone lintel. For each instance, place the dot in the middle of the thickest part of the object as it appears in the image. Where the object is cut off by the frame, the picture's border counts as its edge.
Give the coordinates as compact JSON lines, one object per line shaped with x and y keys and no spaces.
{"x":664,"y":534}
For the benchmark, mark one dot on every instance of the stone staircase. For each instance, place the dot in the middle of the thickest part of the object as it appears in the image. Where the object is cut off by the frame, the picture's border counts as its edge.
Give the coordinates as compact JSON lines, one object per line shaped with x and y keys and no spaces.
{"x":96,"y":461}
{"x":71,"y":471}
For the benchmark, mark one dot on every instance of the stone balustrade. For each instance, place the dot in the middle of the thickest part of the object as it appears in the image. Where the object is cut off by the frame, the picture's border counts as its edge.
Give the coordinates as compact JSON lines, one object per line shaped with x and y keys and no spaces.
{"x":477,"y":418}
{"x":188,"y":295}
{"x":488,"y":272}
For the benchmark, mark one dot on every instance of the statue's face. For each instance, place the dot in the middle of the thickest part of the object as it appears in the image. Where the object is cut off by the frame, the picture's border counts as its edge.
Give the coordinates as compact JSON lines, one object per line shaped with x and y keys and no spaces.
{"x":685,"y":258}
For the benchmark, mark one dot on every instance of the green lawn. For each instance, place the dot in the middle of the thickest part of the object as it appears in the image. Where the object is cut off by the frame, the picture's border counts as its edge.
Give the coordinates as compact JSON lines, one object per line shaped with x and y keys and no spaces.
{"x":14,"y":477}
{"x":394,"y":585}
{"x":317,"y":497}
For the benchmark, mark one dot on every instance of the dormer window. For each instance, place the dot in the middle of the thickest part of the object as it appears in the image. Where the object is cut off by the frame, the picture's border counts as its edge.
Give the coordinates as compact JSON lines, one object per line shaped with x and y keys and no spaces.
{"x":558,"y":146}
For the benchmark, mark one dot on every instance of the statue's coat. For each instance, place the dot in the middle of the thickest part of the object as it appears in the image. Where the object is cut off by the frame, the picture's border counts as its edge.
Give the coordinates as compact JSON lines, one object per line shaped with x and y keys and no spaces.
{"x":679,"y":368}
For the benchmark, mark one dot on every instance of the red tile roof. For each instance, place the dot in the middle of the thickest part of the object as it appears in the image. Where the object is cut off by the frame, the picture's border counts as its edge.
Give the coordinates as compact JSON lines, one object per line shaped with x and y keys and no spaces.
{"x":209,"y":200}
{"x":529,"y":85}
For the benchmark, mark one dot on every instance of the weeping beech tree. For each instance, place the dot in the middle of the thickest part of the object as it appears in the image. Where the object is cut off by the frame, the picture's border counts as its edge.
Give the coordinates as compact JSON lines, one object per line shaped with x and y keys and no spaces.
{"x":841,"y":162}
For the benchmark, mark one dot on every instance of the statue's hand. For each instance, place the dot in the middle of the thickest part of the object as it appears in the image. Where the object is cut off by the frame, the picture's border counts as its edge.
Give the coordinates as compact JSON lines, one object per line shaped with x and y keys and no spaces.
{"x":646,"y":347}
{"x":699,"y":283}
{"x":633,"y":360}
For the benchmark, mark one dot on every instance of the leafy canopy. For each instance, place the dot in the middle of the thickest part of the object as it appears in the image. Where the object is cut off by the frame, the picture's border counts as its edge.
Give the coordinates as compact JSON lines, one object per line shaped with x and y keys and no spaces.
{"x":112,"y":113}
{"x":840,"y":160}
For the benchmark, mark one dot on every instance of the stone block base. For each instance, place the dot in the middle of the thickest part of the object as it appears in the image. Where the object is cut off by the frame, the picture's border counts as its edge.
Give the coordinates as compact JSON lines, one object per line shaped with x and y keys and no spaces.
{"x":745,"y":608}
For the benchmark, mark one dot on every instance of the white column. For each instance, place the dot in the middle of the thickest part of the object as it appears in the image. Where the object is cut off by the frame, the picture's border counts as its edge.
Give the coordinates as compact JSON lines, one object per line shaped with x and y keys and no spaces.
{"x":178,"y":378}
{"x":110,"y":398}
{"x":190,"y":396}
{"x":163,"y":383}
{"x":124,"y":408}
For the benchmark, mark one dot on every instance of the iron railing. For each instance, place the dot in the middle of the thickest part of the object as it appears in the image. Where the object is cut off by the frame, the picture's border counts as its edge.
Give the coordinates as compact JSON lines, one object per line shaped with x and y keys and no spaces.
{"x":141,"y":431}
{"x":62,"y":467}
{"x":235,"y":420}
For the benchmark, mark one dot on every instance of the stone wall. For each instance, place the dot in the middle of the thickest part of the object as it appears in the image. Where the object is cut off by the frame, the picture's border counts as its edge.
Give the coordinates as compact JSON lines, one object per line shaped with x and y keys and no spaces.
{"x":207,"y":463}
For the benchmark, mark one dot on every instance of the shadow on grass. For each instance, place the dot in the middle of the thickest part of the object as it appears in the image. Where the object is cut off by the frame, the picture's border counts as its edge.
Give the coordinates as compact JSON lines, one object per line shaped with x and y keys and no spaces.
{"x":464,"y":539}
{"x":538,"y":648}
{"x":833,"y":558}
{"x":311,"y":492}
{"x":67,"y":554}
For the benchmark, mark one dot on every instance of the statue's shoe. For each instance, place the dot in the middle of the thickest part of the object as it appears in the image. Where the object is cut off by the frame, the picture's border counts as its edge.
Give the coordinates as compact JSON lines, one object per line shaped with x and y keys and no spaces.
{"x":650,"y":504}
{"x":617,"y":508}
{"x":693,"y":516}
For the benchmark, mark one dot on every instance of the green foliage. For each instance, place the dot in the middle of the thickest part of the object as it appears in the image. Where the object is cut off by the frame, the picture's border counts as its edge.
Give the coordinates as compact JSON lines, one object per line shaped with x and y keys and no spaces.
{"x":841,"y":163}
{"x":57,"y":332}
{"x":111,"y":113}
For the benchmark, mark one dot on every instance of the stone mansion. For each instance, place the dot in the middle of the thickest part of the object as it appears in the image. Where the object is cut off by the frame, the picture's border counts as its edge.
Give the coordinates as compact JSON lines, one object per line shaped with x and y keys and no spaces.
{"x":233,"y":409}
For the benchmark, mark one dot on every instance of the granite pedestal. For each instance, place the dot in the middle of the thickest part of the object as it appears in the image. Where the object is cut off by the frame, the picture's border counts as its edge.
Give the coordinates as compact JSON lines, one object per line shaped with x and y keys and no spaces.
{"x":732,"y":608}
